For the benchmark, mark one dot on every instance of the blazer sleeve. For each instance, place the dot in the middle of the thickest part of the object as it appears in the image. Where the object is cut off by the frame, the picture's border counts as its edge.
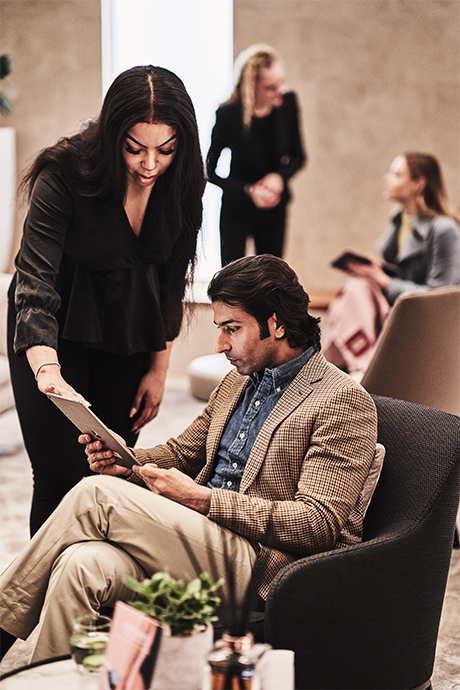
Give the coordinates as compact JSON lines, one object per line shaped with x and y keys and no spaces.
{"x":336,"y":460}
{"x":38,"y":262}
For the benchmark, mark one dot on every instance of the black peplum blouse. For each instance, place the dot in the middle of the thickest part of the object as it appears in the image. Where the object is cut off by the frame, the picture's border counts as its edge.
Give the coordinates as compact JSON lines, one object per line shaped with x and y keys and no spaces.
{"x":83,"y":276}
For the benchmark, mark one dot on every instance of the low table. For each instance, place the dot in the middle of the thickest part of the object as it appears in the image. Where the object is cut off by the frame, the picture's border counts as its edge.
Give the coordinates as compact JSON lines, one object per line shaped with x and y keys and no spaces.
{"x":53,"y":674}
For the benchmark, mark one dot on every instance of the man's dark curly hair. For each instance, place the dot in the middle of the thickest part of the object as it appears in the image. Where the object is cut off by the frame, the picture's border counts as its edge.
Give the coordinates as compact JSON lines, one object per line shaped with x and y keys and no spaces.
{"x":265,"y":285}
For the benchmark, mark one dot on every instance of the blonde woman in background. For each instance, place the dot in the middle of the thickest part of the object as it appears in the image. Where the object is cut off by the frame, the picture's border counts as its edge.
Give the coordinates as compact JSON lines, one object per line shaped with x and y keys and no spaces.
{"x":260,"y":125}
{"x":423,"y":244}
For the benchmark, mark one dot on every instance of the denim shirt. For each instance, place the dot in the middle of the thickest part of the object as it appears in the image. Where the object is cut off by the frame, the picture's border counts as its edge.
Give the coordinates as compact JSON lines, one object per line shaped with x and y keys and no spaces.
{"x":260,"y":397}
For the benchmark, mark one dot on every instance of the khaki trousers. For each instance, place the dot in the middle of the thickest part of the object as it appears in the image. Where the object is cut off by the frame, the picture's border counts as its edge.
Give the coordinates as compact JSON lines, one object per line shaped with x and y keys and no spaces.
{"x":106,"y":528}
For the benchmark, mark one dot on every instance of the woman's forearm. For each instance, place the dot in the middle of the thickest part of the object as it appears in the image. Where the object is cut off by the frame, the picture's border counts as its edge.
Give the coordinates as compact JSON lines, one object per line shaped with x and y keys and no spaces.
{"x":159,"y":361}
{"x":41,"y":358}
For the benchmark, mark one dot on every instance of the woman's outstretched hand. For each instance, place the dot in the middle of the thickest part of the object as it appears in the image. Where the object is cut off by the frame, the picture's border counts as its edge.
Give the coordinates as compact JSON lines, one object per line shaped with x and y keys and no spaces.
{"x":49,"y":380}
{"x":44,"y":362}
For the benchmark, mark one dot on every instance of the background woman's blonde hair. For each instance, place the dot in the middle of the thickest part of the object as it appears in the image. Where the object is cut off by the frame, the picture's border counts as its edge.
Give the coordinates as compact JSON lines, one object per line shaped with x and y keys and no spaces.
{"x":433,"y":200}
{"x":246,"y":71}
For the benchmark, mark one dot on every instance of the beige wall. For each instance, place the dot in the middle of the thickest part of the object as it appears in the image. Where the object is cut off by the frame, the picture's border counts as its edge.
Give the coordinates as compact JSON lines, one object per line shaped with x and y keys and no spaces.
{"x":56,"y":50}
{"x":374,"y":78}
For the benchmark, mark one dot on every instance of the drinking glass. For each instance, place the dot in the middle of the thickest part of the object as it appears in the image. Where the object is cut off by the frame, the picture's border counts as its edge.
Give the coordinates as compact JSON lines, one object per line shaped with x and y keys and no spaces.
{"x":90,"y":634}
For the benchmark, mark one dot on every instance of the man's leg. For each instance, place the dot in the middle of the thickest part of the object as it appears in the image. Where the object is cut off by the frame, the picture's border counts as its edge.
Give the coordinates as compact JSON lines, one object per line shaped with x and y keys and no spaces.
{"x":156,"y":532}
{"x":85,"y":577}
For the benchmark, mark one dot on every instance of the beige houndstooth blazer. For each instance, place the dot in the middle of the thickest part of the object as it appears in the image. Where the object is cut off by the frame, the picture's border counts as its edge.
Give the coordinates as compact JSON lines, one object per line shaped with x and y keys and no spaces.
{"x":301,"y":489}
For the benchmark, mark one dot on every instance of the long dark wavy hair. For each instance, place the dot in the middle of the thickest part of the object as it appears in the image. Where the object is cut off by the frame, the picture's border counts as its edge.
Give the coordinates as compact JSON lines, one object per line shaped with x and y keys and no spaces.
{"x":93,"y":160}
{"x":264,"y":285}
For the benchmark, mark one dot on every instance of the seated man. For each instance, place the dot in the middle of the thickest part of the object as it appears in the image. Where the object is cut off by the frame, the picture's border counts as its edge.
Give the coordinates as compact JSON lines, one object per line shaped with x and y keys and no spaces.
{"x":272,"y":470}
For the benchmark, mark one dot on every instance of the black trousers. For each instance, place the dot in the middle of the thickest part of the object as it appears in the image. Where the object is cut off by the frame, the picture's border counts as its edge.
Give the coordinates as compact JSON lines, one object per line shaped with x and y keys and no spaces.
{"x":266,"y":226}
{"x":109,"y":382}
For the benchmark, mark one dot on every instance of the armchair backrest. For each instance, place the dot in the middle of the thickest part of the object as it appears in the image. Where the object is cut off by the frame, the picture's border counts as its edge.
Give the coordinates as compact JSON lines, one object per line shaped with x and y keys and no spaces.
{"x":421,"y":462}
{"x":417,"y":355}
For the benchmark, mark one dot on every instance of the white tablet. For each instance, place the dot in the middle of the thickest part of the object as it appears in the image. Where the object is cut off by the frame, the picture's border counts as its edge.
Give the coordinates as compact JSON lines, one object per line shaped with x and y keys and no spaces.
{"x":88,"y":423}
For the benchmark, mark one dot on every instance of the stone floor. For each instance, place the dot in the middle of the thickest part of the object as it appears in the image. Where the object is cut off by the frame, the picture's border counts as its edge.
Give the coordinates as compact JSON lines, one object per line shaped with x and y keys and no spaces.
{"x":178,"y":408}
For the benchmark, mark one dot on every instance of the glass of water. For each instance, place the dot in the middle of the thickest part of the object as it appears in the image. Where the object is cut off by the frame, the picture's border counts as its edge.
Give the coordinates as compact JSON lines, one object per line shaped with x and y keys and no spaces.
{"x":90,"y":634}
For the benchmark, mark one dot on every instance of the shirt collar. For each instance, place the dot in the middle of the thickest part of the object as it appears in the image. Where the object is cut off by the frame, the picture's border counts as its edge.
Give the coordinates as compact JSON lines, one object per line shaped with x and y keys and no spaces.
{"x":283,"y":375}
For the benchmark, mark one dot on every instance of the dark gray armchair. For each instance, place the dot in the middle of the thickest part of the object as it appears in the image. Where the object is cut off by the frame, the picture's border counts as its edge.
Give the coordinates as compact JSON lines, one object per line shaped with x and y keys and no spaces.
{"x":368,"y":616}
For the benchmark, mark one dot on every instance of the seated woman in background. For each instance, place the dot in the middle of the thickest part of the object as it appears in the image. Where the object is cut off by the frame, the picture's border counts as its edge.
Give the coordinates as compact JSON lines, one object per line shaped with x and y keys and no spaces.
{"x":422,"y":242}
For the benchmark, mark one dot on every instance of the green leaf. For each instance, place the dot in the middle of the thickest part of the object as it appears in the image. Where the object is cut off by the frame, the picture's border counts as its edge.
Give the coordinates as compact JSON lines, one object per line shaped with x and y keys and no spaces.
{"x":180,"y":606}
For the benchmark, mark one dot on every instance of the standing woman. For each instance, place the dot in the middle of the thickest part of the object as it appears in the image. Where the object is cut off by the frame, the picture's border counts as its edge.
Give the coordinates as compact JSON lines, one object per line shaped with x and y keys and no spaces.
{"x":423,"y":244}
{"x":260,"y":125}
{"x":108,"y":248}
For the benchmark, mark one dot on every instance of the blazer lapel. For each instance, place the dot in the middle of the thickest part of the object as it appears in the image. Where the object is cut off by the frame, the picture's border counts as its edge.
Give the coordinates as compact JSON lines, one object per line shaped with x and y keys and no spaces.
{"x":294,"y":395}
{"x":416,"y":244}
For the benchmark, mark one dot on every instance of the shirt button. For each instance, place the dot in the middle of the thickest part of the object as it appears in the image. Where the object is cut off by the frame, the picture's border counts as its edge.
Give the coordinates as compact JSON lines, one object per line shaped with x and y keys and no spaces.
{"x":242,"y":434}
{"x":257,"y":403}
{"x":278,"y":389}
{"x":235,"y":465}
{"x":229,"y":483}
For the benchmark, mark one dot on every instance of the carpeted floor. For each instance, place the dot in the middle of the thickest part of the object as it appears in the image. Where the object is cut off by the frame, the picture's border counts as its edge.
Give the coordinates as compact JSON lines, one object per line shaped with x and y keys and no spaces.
{"x":178,"y":409}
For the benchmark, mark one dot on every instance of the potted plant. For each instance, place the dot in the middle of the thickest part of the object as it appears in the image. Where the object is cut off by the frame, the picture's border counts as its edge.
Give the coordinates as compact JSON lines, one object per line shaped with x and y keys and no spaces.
{"x":186,"y":613}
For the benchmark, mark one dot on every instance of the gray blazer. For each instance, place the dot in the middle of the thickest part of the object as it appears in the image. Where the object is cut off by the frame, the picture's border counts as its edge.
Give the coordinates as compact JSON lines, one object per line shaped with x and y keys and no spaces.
{"x":430,"y":258}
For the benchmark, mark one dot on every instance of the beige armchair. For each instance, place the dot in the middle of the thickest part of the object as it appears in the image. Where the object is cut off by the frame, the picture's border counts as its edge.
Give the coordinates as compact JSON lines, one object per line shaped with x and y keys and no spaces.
{"x":417,"y":355}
